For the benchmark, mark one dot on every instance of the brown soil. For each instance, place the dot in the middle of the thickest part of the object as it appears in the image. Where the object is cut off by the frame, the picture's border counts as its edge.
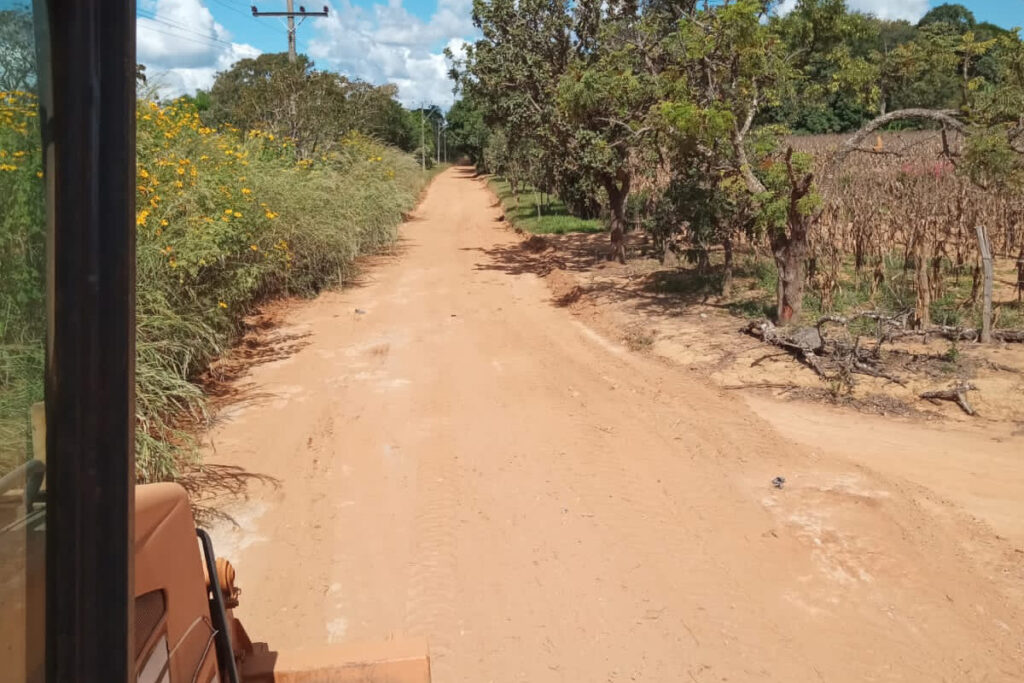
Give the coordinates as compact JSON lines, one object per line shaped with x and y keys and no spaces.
{"x":456,"y":456}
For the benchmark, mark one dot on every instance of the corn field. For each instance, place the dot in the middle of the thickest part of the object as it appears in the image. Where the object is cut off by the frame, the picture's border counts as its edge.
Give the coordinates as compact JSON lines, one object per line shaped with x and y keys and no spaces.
{"x":900,"y":222}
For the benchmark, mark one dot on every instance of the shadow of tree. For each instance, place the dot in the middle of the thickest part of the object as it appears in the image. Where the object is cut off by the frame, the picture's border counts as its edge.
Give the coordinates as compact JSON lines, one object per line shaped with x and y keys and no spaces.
{"x":645,"y":285}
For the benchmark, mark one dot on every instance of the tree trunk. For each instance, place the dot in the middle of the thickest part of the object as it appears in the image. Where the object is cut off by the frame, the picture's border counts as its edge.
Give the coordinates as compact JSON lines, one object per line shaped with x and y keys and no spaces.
{"x":791,"y":260}
{"x":727,"y":273}
{"x":1020,"y":275}
{"x":790,"y":248}
{"x":617,"y":195}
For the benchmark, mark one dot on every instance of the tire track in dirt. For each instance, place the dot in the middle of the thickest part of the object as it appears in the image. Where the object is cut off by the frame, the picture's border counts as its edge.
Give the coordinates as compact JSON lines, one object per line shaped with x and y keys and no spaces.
{"x":543,"y":505}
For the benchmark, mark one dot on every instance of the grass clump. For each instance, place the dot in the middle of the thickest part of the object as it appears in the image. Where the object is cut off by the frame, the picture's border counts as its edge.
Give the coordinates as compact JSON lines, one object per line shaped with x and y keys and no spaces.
{"x":540,"y":214}
{"x":225,"y":219}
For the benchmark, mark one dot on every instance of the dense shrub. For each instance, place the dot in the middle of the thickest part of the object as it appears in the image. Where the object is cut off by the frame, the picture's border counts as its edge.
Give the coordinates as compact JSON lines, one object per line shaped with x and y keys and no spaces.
{"x":225,"y":219}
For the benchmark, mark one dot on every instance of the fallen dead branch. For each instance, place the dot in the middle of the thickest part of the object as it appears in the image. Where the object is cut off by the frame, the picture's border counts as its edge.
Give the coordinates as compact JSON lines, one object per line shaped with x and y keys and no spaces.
{"x":832,"y":360}
{"x":788,"y":386}
{"x":956,"y":393}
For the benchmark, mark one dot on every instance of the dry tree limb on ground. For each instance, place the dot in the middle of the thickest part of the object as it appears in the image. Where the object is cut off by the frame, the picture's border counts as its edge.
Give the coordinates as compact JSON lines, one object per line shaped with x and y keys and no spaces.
{"x":811,"y":347}
{"x":956,"y":393}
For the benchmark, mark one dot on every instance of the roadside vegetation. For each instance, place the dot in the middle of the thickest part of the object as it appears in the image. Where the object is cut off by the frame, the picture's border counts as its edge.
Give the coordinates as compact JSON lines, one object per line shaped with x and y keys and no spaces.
{"x":239,"y":200}
{"x":811,"y":168}
{"x":687,"y":122}
{"x":532,"y":211}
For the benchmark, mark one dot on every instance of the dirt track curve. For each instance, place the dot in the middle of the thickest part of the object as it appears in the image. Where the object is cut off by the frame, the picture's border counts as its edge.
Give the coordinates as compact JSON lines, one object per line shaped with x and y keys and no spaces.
{"x":462,"y":460}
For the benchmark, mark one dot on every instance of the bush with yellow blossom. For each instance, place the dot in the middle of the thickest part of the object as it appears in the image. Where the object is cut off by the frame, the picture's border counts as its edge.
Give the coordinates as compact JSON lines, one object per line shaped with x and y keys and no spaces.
{"x":225,"y":219}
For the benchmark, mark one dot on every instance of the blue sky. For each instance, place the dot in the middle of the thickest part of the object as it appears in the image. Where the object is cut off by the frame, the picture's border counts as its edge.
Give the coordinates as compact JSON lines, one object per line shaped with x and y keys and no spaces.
{"x":185,"y":42}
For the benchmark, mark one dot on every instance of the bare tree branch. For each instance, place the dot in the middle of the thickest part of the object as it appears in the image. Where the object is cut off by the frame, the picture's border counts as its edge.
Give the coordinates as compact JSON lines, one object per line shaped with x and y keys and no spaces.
{"x":946,"y":117}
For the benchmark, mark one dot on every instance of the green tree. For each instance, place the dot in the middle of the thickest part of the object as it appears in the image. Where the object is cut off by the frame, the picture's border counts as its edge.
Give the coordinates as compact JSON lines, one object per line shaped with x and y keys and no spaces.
{"x":467,"y":131}
{"x":954,"y":15}
{"x":606,"y":95}
{"x":17,"y":56}
{"x":315,"y":108}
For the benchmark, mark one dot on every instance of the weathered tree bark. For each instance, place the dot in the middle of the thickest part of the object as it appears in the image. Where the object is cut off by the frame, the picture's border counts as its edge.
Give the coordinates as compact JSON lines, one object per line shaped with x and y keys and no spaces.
{"x":956,"y":393}
{"x":791,"y":260}
{"x":790,"y":248}
{"x":618,"y":192}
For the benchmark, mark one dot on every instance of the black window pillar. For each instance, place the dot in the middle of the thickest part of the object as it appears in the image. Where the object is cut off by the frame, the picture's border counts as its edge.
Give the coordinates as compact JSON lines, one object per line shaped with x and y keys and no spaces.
{"x":88,"y":105}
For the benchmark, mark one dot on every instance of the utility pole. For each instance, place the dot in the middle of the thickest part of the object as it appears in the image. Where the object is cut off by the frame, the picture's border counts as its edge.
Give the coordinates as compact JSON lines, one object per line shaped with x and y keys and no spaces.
{"x":423,"y":143}
{"x":291,"y":14}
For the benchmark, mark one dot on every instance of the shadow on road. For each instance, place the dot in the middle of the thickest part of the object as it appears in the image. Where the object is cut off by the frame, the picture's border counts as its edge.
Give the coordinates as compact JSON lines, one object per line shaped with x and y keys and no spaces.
{"x":210,"y":486}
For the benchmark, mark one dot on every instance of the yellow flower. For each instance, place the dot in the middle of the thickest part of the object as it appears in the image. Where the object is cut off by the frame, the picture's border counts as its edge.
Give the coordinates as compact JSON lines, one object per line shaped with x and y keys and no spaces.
{"x":8,"y":167}
{"x":163,"y":222}
{"x":238,"y":214}
{"x":39,"y":174}
{"x":222,"y":304}
{"x":18,"y":155}
{"x":173,"y":263}
{"x":228,"y":212}
{"x":254,"y":247}
{"x":270,"y":214}
{"x":270,"y":137}
{"x":246,"y":190}
{"x":140,"y":218}
{"x":204,"y":158}
{"x":181,"y":171}
{"x":178,"y":184}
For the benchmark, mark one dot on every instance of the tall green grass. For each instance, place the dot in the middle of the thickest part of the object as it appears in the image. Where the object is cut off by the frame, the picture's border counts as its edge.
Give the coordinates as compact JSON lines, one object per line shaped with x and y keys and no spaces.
{"x":22,"y":254}
{"x":551,"y":218}
{"x":225,"y":219}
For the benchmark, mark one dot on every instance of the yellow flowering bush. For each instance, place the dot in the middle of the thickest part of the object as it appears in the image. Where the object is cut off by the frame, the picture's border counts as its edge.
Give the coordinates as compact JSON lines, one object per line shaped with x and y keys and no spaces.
{"x":225,"y":218}
{"x":22,"y":262}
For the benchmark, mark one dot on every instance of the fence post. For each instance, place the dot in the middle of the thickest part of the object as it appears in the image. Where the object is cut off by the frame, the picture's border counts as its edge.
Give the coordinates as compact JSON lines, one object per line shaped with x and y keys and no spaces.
{"x":985,"y":249}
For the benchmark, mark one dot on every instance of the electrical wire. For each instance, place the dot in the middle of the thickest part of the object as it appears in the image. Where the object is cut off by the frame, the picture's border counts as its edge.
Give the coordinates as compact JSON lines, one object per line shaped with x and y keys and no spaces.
{"x":208,"y":42}
{"x":182,"y":28}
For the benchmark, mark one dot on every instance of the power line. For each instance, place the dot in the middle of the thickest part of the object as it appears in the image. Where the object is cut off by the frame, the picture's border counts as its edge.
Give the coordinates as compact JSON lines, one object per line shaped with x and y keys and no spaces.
{"x":248,"y":15}
{"x":290,"y":14}
{"x":200,"y":36}
{"x":208,"y":42}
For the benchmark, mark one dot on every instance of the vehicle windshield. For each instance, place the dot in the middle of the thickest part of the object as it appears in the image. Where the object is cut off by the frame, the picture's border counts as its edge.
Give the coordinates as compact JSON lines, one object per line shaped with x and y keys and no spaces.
{"x":22,"y":335}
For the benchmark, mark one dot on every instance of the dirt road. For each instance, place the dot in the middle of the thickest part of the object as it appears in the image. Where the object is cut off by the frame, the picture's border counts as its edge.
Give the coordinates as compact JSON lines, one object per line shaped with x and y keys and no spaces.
{"x":460,"y":459}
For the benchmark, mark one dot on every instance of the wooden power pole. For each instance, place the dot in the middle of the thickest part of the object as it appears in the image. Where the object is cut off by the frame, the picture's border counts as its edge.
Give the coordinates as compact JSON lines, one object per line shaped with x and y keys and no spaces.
{"x":290,"y":14}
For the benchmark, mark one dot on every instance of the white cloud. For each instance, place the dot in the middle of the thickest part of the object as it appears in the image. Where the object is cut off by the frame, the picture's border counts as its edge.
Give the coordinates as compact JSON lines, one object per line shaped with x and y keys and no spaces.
{"x":911,"y":10}
{"x":388,"y":44}
{"x":183,"y":47}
